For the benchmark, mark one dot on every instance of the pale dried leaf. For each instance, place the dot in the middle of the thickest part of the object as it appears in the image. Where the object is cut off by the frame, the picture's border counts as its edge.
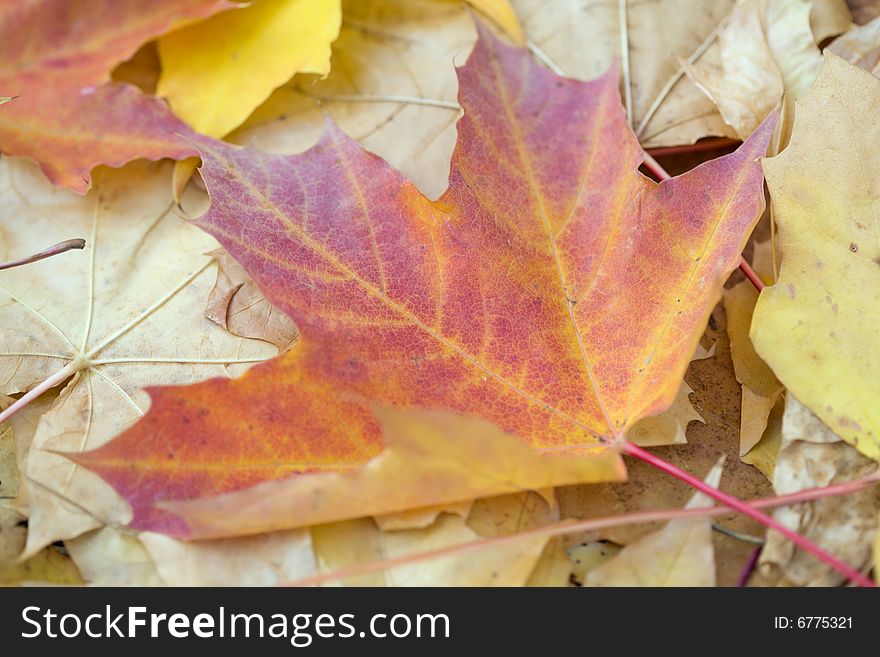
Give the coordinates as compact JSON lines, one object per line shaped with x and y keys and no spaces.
{"x":864,"y":11}
{"x":265,"y":560}
{"x":670,"y":427}
{"x":108,"y":557}
{"x":120,"y":315}
{"x":509,"y":514}
{"x":554,"y":568}
{"x":754,"y":417}
{"x":9,"y":478}
{"x":762,"y":261}
{"x":23,"y":426}
{"x":238,"y":305}
{"x":501,"y":13}
{"x":12,"y":535}
{"x":389,"y":55}
{"x":361,"y":541}
{"x":766,"y":49}
{"x":680,"y":554}
{"x":587,"y":556}
{"x":760,"y":388}
{"x":48,"y":566}
{"x":583,"y":39}
{"x":763,"y":455}
{"x":831,"y":17}
{"x":812,"y":455}
{"x":420,"y":518}
{"x":877,"y":556}
{"x":861,"y":46}
{"x":341,"y":544}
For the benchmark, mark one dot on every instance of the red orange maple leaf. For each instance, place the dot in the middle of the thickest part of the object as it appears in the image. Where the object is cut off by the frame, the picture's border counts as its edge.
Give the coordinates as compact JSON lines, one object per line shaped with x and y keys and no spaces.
{"x":553,"y":289}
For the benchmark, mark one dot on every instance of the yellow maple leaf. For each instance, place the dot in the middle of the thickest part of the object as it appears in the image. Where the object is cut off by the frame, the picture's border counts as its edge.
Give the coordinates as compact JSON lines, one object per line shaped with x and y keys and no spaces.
{"x":817,"y":327}
{"x":216,"y":72}
{"x":502,"y":14}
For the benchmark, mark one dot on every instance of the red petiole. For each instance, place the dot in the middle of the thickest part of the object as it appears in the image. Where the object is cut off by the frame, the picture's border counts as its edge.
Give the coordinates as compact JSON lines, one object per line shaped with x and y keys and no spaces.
{"x":700,"y":147}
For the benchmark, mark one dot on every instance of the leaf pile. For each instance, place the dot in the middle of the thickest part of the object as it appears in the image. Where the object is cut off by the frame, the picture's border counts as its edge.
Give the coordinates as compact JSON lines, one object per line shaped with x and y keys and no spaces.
{"x":421,"y":295}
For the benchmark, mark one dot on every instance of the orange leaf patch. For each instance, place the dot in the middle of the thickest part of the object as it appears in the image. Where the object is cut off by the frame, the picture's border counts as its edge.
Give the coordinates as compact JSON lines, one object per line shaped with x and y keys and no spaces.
{"x":56,"y":54}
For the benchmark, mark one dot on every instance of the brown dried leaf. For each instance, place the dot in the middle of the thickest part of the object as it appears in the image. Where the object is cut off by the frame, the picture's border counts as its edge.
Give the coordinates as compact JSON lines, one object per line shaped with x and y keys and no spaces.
{"x":583,"y":39}
{"x":236,"y":304}
{"x":352,"y":542}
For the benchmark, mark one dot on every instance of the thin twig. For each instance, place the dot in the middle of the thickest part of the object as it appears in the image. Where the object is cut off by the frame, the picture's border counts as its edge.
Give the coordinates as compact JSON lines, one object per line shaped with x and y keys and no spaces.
{"x":654,"y":166}
{"x":712,"y":144}
{"x":749,"y":568}
{"x":377,"y":98}
{"x":55,"y":249}
{"x":544,"y":58}
{"x":745,"y":538}
{"x":750,"y":273}
{"x":624,"y":60}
